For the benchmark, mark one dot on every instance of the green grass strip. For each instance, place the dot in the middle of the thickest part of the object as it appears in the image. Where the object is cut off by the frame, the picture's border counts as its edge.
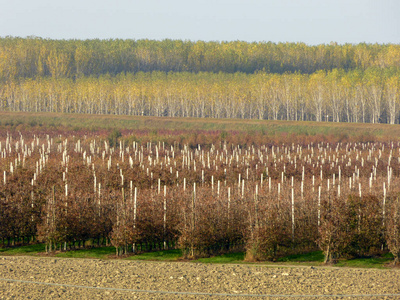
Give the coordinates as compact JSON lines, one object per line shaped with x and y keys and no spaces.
{"x":314,"y":258}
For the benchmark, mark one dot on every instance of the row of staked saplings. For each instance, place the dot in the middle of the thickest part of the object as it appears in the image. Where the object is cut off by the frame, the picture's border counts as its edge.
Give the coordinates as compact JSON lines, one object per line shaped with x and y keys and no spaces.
{"x":268,"y":200}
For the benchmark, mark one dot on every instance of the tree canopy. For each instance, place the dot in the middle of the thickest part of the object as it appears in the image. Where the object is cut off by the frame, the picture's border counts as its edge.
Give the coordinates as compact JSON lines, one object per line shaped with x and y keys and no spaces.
{"x":284,"y":81}
{"x":32,"y":57}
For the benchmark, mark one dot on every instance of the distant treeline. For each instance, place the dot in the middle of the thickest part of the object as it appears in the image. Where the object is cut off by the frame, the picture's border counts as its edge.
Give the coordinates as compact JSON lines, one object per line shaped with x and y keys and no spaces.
{"x":285,"y":81}
{"x":338,"y":96}
{"x":36,"y":57}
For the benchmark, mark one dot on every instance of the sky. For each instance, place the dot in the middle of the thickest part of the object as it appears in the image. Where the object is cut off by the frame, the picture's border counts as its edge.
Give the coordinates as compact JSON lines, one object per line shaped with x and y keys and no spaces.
{"x":309,"y":21}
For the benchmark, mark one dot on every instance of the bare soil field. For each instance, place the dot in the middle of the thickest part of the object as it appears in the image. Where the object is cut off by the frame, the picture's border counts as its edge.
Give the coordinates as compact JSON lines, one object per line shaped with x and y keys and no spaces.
{"x":55,"y":278}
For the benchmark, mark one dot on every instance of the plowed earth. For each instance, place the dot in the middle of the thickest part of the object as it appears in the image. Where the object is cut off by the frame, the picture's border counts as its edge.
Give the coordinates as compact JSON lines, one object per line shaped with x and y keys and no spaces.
{"x":55,"y":278}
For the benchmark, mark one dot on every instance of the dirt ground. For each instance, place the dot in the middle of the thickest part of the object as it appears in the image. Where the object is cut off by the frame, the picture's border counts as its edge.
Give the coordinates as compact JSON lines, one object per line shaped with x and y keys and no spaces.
{"x":55,"y":278}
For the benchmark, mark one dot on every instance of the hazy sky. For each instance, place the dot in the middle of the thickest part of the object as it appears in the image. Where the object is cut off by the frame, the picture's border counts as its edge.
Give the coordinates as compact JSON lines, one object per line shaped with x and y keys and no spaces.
{"x":309,"y":21}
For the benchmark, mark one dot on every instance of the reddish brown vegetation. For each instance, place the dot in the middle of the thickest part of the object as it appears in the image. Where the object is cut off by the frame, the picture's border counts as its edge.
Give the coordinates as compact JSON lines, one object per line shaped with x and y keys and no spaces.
{"x":70,"y":191}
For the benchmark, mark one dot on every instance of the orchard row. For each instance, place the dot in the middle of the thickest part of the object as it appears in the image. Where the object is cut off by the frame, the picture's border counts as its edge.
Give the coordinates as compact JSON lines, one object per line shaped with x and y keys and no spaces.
{"x":268,"y":199}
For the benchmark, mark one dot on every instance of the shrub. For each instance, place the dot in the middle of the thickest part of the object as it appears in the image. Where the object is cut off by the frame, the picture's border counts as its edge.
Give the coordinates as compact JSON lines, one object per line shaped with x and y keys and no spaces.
{"x":393,"y":230}
{"x":113,"y":137}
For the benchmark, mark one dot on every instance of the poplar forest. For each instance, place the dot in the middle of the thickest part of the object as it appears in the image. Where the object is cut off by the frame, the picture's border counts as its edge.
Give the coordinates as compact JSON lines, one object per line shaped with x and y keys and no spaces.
{"x":285,"y":81}
{"x":157,"y":176}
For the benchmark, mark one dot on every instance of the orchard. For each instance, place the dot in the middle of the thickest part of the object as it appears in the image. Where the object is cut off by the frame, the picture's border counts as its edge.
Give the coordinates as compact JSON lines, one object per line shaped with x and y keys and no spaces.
{"x":205,"y":195}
